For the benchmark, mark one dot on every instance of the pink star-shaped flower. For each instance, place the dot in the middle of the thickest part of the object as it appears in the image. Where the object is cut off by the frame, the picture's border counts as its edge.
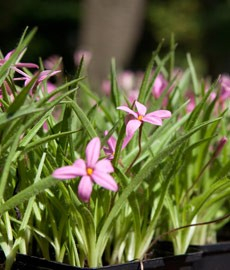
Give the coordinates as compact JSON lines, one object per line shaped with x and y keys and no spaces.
{"x":136,"y":119}
{"x":92,"y":170}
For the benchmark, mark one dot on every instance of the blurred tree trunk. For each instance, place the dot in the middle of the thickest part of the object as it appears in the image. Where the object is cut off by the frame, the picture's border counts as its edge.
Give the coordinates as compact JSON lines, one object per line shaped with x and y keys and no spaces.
{"x":110,"y":28}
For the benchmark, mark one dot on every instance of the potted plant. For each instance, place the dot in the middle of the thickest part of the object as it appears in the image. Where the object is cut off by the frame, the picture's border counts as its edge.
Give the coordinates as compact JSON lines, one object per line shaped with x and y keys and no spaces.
{"x":94,"y":181}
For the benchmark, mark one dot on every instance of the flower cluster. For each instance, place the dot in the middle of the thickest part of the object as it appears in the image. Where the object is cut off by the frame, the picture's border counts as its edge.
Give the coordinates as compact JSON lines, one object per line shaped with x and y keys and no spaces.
{"x":98,"y":171}
{"x":25,"y":76}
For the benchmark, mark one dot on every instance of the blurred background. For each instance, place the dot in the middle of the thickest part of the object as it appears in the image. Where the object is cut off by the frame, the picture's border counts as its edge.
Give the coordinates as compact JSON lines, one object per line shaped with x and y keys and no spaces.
{"x":127,"y":30}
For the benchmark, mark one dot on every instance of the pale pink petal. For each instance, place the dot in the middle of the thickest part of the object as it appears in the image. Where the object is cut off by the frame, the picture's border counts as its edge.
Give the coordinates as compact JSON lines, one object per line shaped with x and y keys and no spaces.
{"x":8,"y":55}
{"x":152,"y":119}
{"x":131,"y":127}
{"x":21,"y":72}
{"x":161,"y":114}
{"x":81,"y":166}
{"x":85,"y":188}
{"x":45,"y":74}
{"x":126,"y":141}
{"x":67,"y":172}
{"x":111,"y":142}
{"x":27,"y":65}
{"x":104,"y":180}
{"x":140,"y":108}
{"x":51,"y":87}
{"x":104,"y":165}
{"x":93,"y":152}
{"x":128,"y":110}
{"x":106,"y":87}
{"x":159,"y":86}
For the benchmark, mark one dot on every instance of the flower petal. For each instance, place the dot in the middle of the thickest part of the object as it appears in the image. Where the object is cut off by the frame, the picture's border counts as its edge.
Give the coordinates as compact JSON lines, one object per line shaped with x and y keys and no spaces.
{"x":80,"y":166}
{"x":128,"y":110}
{"x":93,"y":152}
{"x":131,"y":127}
{"x":8,"y":55}
{"x":104,"y":165}
{"x":111,"y":143}
{"x":152,"y":119}
{"x":126,"y":141}
{"x":140,"y":108}
{"x":104,"y":180}
{"x":26,"y":65}
{"x":161,"y":114}
{"x":85,"y":188}
{"x":45,"y":74}
{"x":66,"y":172}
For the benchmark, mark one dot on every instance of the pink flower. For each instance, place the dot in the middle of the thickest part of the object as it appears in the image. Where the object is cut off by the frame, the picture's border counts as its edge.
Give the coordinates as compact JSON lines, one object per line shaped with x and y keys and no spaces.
{"x":19,"y":65}
{"x":159,"y":86}
{"x":220,"y":146}
{"x":53,"y":62}
{"x":106,"y":87}
{"x":82,"y":53}
{"x":225,"y":87}
{"x":126,"y":80}
{"x":110,"y":149}
{"x":191,"y":105}
{"x":136,"y":119}
{"x":92,"y":170}
{"x":43,"y":75}
{"x":111,"y":146}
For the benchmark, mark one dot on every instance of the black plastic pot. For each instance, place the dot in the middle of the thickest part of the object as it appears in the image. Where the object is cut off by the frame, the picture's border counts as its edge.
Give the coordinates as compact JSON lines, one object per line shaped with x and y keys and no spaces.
{"x":209,"y":257}
{"x":213,"y":256}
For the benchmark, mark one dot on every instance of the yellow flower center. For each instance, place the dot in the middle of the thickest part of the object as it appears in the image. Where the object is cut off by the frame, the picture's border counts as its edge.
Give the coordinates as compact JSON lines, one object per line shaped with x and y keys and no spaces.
{"x":140,"y":117}
{"x":89,"y":171}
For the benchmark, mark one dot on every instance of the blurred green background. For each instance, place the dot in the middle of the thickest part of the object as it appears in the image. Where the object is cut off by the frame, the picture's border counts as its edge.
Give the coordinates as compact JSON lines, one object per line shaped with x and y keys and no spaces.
{"x":200,"y":27}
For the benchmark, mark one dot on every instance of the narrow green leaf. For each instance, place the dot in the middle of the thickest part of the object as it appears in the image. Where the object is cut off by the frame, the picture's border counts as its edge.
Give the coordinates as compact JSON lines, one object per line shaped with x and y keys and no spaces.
{"x":59,"y":89}
{"x":200,"y":201}
{"x":145,"y":81}
{"x":115,"y":93}
{"x":8,"y":162}
{"x":84,"y":119}
{"x":194,"y":76}
{"x":5,"y":118}
{"x":37,"y":143}
{"x":27,"y":193}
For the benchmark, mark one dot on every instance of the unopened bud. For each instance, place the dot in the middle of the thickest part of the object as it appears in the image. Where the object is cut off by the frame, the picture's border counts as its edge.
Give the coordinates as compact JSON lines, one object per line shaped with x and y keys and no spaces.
{"x":220,"y":146}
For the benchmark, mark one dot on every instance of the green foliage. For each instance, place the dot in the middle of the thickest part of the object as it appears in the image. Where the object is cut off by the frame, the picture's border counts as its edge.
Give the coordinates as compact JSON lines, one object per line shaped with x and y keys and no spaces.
{"x":169,"y":176}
